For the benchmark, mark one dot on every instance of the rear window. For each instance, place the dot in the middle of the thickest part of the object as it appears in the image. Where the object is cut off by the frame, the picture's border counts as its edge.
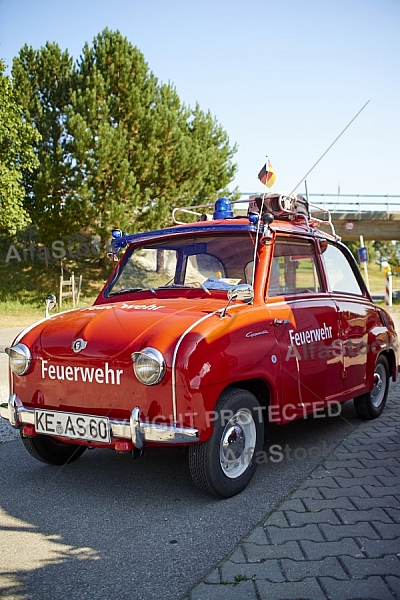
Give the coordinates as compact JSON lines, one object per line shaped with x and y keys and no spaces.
{"x":340,"y":275}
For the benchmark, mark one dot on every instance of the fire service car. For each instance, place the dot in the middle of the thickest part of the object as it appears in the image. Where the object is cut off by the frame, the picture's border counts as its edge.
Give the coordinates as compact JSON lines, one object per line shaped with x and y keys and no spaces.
{"x":205,"y":332}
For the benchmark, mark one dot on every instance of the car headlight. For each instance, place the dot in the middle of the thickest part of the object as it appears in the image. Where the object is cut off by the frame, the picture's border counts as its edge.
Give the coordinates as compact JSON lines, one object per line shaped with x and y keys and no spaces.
{"x":149,"y":366}
{"x":20,"y":358}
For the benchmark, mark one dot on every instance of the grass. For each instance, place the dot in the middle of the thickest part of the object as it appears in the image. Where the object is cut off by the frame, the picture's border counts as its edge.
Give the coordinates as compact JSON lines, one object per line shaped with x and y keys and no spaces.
{"x":25,"y":284}
{"x":16,"y":314}
{"x":377,"y":278}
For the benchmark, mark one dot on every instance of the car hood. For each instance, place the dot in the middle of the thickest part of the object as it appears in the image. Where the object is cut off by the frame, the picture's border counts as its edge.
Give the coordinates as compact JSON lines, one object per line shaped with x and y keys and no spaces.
{"x":108,"y":330}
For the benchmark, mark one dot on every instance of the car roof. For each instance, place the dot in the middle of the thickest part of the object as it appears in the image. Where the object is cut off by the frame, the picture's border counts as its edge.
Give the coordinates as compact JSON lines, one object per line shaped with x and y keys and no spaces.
{"x":276,"y":212}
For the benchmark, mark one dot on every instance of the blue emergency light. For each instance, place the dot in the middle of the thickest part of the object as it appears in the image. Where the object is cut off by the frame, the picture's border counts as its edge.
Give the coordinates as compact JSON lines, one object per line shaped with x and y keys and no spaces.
{"x":253,"y":218}
{"x":223,"y":209}
{"x":117,"y":241}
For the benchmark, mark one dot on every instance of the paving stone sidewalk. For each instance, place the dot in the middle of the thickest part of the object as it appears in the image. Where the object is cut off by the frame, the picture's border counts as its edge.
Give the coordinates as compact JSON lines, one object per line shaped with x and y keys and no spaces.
{"x":337,"y":536}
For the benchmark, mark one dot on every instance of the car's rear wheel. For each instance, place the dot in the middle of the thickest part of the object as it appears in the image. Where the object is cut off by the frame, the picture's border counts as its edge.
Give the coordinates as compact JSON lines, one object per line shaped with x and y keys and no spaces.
{"x":226,"y":462}
{"x":370,"y":405}
{"x":51,"y":451}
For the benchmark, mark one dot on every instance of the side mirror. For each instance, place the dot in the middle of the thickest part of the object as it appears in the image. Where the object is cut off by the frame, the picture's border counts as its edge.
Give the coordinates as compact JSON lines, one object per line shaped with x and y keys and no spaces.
{"x":243,"y":292}
{"x":51,"y":303}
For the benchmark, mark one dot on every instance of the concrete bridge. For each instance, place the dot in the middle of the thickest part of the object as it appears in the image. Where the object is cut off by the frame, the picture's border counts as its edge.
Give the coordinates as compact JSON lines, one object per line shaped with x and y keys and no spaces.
{"x":374,"y":217}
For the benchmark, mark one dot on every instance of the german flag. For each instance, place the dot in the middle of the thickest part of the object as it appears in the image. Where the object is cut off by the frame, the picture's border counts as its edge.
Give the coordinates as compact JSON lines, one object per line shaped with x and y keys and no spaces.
{"x":267,"y":174}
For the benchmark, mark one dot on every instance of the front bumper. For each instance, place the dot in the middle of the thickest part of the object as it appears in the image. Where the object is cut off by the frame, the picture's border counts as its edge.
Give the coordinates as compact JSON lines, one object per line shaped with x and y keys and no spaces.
{"x":139,"y":432}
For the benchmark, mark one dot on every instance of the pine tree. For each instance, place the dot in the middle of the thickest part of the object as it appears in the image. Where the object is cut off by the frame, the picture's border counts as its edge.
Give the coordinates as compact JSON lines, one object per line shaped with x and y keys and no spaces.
{"x":42,"y":79}
{"x":118,"y":148}
{"x":138,"y":149}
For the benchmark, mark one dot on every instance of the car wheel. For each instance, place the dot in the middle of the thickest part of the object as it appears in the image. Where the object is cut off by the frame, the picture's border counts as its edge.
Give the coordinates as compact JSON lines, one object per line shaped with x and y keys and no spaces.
{"x":51,"y":451}
{"x":371,"y":404}
{"x":225,"y":463}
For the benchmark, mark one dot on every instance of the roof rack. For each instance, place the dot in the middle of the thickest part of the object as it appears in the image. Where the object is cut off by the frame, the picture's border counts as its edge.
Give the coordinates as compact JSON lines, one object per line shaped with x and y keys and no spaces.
{"x":283,"y":206}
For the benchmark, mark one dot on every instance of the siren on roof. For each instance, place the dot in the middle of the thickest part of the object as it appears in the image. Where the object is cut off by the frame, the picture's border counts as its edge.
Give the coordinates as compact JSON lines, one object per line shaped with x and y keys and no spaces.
{"x":280,"y":204}
{"x":117,"y":241}
{"x":223,"y":209}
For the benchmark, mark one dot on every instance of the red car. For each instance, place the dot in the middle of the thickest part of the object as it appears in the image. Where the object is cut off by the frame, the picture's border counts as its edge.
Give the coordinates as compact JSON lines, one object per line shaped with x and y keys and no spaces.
{"x":205,"y":332}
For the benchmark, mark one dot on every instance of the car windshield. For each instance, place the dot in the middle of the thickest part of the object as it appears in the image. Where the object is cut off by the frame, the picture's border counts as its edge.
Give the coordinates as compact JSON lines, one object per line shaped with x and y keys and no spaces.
{"x":214,"y":262}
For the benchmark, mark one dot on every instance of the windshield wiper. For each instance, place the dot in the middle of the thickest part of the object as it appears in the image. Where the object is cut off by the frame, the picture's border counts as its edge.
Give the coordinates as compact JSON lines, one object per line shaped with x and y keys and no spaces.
{"x":125,"y":291}
{"x":194,"y":285}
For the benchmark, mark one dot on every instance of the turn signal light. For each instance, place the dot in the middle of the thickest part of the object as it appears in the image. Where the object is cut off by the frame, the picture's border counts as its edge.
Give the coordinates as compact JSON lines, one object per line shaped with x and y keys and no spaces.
{"x":28,"y":431}
{"x":122,"y":446}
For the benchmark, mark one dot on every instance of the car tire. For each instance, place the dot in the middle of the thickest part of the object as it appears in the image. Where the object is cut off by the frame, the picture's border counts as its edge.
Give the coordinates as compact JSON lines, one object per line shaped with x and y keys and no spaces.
{"x":51,"y":451}
{"x":224,"y":464}
{"x":370,"y":405}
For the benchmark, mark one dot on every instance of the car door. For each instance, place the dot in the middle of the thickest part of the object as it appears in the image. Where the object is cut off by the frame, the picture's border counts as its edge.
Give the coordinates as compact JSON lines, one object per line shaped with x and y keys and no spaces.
{"x":305,"y":326}
{"x":357,"y":316}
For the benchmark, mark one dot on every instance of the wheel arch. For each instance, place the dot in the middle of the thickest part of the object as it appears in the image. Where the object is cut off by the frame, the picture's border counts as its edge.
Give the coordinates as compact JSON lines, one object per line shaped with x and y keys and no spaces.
{"x":390,"y":356}
{"x":257,"y":386}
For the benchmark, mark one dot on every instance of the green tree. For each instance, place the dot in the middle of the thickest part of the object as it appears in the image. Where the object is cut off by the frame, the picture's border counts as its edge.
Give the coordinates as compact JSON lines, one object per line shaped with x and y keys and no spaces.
{"x":118,"y":148}
{"x":138,"y":150}
{"x":43,"y":80}
{"x":16,"y":155}
{"x":369,"y":245}
{"x":388,"y":251}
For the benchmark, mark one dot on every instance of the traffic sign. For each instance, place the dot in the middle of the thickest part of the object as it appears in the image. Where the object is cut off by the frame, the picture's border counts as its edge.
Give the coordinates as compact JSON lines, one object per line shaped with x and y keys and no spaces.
{"x":349,"y":226}
{"x":363,"y":254}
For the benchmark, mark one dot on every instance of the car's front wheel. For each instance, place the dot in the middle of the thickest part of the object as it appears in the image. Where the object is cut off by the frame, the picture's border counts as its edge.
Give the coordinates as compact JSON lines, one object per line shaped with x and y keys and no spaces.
{"x":370,"y":405}
{"x":226,"y":462}
{"x":53,"y":452}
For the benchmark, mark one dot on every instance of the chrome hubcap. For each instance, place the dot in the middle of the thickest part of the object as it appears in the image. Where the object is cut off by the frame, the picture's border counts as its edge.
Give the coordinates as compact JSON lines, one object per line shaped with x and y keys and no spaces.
{"x":379,"y":388}
{"x":237,"y":444}
{"x":233,"y":443}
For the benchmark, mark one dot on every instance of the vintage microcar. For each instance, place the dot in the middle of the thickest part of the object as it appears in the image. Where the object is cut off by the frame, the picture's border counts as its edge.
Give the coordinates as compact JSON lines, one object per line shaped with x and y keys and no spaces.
{"x":205,"y":332}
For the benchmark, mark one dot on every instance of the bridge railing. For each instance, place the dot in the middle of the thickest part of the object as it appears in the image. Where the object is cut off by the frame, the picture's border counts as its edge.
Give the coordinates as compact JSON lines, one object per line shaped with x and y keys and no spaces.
{"x":357,"y":204}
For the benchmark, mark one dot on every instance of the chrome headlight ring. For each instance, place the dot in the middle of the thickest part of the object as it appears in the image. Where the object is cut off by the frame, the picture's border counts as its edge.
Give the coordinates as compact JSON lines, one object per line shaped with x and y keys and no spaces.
{"x":20,"y":358}
{"x":149,"y":366}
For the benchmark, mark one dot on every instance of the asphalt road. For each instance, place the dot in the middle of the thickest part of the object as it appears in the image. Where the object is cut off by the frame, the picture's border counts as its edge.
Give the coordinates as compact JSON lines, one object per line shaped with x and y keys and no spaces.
{"x":110,"y":527}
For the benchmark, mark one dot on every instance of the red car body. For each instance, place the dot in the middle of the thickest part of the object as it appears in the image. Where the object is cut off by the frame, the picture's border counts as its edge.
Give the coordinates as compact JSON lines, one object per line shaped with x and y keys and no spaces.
{"x":270,"y":324}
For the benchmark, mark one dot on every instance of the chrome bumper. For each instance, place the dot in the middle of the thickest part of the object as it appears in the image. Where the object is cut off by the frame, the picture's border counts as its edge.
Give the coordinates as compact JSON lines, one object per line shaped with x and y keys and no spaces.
{"x":136,"y":430}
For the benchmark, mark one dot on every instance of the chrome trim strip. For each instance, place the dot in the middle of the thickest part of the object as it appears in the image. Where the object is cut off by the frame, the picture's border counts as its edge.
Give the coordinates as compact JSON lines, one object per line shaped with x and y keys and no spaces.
{"x":30,"y":327}
{"x":15,"y":413}
{"x":172,"y":435}
{"x":141,"y":432}
{"x":138,"y":431}
{"x":173,"y":364}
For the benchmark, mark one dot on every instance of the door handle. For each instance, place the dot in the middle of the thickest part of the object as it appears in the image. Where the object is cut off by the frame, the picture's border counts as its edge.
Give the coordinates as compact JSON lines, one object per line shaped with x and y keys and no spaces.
{"x":278,"y":322}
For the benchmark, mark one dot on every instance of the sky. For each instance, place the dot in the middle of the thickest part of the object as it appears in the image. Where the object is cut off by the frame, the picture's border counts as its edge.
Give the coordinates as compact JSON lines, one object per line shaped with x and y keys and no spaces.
{"x":282,"y":78}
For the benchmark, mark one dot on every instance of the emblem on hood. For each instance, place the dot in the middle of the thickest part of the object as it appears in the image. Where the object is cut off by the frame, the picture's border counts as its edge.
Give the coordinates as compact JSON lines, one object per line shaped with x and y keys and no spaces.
{"x":78,"y":345}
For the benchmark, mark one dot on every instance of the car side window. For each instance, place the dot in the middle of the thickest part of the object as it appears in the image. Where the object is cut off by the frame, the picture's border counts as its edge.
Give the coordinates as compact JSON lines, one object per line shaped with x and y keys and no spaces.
{"x":340,"y":275}
{"x":294,"y":268}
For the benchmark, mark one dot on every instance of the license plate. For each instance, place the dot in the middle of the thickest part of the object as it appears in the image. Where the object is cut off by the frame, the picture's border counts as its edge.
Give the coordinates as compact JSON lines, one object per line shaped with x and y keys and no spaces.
{"x":72,"y":425}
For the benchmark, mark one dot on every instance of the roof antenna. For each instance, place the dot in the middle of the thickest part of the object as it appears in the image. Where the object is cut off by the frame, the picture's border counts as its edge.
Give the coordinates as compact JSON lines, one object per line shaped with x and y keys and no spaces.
{"x":327,"y":150}
{"x":306,"y":188}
